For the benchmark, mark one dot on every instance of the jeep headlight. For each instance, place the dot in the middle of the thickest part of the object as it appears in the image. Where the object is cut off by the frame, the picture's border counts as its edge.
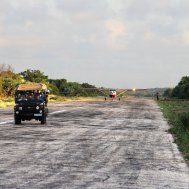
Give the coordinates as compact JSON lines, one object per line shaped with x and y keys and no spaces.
{"x":37,"y":107}
{"x":41,"y":106}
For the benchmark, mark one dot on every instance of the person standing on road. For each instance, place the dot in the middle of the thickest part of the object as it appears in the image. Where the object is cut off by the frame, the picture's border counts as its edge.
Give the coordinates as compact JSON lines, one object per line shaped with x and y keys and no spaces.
{"x":157,"y":96}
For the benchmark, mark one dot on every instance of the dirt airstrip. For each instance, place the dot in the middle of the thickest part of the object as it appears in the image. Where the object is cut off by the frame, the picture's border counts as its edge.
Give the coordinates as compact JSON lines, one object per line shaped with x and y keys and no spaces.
{"x":92,"y":144}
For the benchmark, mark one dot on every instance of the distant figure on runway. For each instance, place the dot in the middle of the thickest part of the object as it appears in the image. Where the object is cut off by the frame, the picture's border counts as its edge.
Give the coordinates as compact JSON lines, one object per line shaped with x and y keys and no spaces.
{"x":157,"y":96}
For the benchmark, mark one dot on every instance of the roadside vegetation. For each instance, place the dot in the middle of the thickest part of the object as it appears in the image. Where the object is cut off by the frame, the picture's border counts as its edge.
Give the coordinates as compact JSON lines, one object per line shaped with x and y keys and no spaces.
{"x":177,"y":114}
{"x":9,"y":80}
{"x":60,"y":89}
{"x":175,"y":107}
{"x":181,"y":91}
{"x":4,"y":102}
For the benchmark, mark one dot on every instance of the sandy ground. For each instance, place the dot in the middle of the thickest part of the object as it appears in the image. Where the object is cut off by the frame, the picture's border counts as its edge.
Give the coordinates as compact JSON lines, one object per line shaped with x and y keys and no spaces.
{"x":92,"y":145}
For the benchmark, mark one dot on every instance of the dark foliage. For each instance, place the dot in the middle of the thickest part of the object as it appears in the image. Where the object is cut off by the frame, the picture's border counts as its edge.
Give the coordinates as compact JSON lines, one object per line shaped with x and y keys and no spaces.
{"x":181,"y":91}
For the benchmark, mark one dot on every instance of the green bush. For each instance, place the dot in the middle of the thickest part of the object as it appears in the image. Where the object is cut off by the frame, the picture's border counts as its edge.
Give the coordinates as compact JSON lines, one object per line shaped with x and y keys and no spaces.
{"x":177,"y":114}
{"x":184,"y":119}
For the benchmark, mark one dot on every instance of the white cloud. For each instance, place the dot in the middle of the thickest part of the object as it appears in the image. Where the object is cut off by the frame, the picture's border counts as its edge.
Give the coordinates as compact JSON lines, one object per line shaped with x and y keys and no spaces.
{"x":29,"y":24}
{"x":116,"y":33}
{"x":185,"y":38}
{"x":129,"y":37}
{"x":19,"y":42}
{"x":148,"y":35}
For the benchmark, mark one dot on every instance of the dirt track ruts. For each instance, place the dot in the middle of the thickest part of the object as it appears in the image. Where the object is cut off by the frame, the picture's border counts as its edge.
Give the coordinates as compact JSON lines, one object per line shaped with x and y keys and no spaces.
{"x":93,"y":144}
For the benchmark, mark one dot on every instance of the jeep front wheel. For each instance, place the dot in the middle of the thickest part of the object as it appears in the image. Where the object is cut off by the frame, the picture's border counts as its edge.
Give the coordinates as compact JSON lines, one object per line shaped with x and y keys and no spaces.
{"x":17,"y":120}
{"x":43,"y":120}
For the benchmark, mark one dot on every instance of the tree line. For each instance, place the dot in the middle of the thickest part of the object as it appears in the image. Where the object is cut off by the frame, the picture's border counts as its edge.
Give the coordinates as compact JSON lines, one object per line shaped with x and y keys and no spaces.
{"x":180,"y":91}
{"x":9,"y":80}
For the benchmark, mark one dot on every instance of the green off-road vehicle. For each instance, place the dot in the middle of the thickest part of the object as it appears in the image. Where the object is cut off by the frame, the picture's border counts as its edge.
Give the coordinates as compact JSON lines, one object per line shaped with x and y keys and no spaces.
{"x":31,"y":102}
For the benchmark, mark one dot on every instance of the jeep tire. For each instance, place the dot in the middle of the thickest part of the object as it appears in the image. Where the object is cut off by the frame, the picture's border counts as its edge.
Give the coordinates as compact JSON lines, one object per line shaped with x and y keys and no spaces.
{"x":17,"y":120}
{"x":43,"y":120}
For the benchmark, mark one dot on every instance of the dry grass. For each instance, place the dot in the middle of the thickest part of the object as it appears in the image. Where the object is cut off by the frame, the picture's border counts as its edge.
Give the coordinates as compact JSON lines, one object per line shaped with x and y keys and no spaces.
{"x":55,"y":98}
{"x":5,"y":102}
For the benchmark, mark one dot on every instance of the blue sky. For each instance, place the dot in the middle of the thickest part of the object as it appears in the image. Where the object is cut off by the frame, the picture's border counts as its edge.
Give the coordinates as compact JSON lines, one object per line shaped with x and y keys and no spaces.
{"x":111,"y":43}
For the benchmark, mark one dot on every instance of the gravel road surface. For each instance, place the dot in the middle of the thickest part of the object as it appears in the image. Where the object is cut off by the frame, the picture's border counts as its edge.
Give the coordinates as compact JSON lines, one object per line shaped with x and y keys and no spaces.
{"x":92,"y":144}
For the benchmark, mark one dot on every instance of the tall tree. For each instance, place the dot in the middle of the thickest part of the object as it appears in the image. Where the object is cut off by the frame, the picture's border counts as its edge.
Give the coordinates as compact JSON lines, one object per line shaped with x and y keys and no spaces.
{"x":182,"y":89}
{"x":35,"y":76}
{"x":6,"y":70}
{"x":8,"y":86}
{"x":8,"y":80}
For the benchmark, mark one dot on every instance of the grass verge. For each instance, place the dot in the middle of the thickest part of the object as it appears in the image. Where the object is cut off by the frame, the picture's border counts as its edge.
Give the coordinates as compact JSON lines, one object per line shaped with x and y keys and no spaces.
{"x":6,"y":102}
{"x":177,"y":114}
{"x":56,"y":98}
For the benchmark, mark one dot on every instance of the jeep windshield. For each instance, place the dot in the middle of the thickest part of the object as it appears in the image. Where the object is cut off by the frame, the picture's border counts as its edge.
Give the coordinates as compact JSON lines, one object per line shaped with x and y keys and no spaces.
{"x":29,"y":96}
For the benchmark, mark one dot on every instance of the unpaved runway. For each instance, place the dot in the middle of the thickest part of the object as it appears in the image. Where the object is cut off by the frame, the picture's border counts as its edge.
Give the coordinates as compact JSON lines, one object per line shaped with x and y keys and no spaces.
{"x":92,"y":145}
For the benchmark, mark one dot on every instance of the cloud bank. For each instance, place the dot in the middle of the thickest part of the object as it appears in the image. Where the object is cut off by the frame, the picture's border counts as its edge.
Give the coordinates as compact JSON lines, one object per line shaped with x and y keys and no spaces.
{"x":113,"y":43}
